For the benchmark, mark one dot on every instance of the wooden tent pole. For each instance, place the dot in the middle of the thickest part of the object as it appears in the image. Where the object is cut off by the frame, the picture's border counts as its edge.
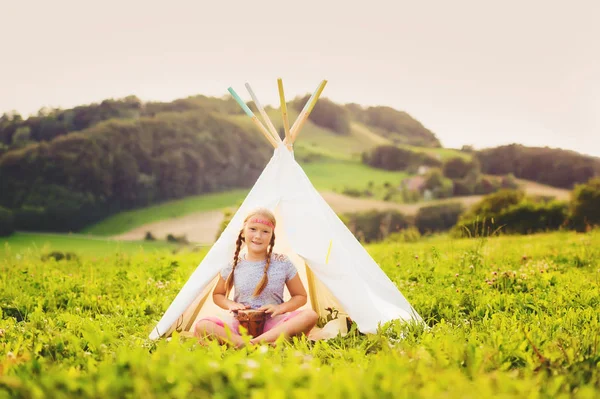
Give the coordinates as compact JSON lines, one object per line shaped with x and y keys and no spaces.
{"x":284,"y":114}
{"x":308,"y":107}
{"x":249,"y":112}
{"x":266,"y":118}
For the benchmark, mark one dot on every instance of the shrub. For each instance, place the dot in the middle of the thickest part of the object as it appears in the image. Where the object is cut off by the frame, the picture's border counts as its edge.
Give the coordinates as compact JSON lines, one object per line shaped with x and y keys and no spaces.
{"x":531,"y":217}
{"x":177,"y":239}
{"x":438,"y":217}
{"x":58,"y":256}
{"x":410,"y":234}
{"x":149,"y":236}
{"x":492,"y":204}
{"x":352,"y":192}
{"x":525,"y":217}
{"x":376,"y":225}
{"x":585,"y":205}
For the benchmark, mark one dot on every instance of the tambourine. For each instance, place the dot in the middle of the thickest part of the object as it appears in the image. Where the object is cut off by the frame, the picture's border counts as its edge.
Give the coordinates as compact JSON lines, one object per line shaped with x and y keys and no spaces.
{"x":252,"y":320}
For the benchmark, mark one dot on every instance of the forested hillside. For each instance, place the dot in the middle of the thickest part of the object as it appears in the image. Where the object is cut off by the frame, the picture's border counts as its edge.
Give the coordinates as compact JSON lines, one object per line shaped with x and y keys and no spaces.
{"x":82,"y":177}
{"x":61,"y":170}
{"x":16,"y":132}
{"x":555,"y":167}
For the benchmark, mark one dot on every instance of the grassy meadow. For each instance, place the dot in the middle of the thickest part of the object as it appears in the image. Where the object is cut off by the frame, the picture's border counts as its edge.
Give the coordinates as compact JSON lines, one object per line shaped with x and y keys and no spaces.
{"x":125,"y":221}
{"x":328,"y":174}
{"x":507,"y":317}
{"x":21,"y":243}
{"x":335,"y":176}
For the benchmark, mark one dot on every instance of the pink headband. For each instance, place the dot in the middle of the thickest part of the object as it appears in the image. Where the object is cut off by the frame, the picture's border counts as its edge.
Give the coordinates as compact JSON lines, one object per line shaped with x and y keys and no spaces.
{"x":262,"y":221}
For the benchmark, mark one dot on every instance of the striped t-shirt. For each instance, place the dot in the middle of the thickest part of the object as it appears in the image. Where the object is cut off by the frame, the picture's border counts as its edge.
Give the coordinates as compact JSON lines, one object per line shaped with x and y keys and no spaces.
{"x":249,"y":273}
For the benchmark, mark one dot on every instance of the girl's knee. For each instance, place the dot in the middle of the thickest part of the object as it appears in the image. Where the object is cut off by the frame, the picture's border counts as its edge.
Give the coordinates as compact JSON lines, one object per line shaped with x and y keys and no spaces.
{"x":311,"y":316}
{"x":202,"y":327}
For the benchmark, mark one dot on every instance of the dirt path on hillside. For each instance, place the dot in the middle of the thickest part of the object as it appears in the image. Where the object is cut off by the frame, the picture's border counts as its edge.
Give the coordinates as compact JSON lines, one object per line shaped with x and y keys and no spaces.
{"x":533,"y":188}
{"x":202,"y":227}
{"x":343,"y":204}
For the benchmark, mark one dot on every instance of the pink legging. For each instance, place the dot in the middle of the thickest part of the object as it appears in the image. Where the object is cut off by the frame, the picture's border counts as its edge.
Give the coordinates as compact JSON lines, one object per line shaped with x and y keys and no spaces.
{"x":270,"y":323}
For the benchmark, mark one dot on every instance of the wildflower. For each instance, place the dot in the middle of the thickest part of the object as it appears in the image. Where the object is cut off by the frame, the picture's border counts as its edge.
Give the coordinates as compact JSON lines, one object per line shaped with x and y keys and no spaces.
{"x":456,"y":275}
{"x":247,"y":375}
{"x":417,"y":257}
{"x":471,"y":267}
{"x":252,"y":364}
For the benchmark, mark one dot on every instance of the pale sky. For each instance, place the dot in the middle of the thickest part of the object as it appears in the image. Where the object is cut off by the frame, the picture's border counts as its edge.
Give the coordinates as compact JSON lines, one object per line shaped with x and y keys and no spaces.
{"x":476,"y":72}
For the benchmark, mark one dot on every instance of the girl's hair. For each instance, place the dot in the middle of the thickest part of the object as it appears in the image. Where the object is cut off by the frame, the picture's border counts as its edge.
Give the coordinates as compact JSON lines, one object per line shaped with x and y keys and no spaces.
{"x":265,"y":213}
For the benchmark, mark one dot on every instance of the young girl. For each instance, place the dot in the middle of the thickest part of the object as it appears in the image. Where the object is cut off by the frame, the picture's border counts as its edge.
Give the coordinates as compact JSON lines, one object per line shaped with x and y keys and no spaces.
{"x":259,"y":277}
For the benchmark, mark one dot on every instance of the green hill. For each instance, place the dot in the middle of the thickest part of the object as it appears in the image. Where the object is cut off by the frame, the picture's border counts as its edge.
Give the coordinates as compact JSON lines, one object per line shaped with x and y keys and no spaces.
{"x":62,"y":170}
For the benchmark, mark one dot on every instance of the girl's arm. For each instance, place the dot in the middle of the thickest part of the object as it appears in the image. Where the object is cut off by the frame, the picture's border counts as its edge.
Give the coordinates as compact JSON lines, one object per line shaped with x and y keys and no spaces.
{"x":298,"y":298}
{"x":221,"y":300}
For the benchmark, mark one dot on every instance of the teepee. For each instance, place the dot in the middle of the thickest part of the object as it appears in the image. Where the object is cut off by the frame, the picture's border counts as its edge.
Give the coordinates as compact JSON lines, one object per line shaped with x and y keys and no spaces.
{"x":341,"y":278}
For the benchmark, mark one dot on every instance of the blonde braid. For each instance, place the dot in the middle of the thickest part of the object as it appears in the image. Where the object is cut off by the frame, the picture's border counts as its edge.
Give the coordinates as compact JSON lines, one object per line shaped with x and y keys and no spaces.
{"x":265,"y":280}
{"x":229,"y":281}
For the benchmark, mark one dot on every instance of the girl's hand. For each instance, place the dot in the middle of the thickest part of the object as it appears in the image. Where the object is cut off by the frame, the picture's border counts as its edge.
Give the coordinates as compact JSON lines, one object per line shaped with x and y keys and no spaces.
{"x":233,"y":306}
{"x":274,"y":310}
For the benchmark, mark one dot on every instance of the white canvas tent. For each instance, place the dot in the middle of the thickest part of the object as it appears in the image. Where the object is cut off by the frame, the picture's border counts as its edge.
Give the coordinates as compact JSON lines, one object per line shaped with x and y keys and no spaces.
{"x":334,"y":267}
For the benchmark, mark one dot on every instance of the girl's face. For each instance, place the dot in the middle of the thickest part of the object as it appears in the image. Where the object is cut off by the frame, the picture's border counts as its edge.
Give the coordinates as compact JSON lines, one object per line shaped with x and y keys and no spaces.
{"x":257,"y":236}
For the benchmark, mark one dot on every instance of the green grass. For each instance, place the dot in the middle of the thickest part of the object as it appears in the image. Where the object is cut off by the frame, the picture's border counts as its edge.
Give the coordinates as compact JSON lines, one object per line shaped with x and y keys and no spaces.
{"x":129,"y":220}
{"x":442,"y":154}
{"x":332,"y":175}
{"x":20,"y":243}
{"x":510,"y":317}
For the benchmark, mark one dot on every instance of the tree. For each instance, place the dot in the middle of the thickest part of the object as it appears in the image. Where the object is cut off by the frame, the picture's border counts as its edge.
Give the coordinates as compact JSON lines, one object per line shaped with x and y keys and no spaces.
{"x":329,"y":115}
{"x":585,"y":205}
{"x":458,"y":167}
{"x":22,"y":136}
{"x":440,"y":186}
{"x":7,"y":226}
{"x":556,"y":167}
